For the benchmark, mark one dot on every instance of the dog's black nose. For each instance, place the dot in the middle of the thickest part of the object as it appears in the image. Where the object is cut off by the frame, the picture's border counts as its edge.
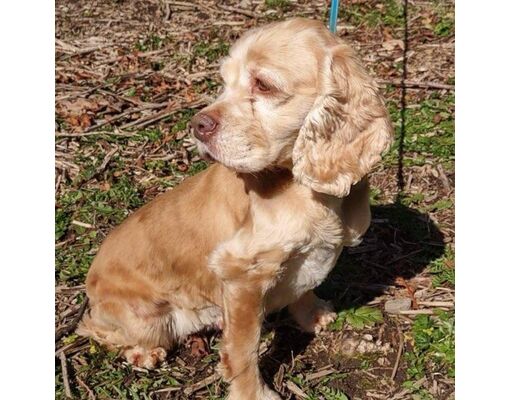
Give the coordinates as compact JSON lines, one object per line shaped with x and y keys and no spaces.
{"x":204,"y":126}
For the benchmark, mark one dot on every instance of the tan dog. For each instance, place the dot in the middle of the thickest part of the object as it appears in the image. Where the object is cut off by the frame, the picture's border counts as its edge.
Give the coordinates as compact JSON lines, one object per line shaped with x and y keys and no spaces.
{"x":295,"y":132}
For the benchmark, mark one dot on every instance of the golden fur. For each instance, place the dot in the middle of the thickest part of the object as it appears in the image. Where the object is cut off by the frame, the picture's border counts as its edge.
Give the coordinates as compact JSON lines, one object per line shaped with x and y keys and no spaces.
{"x":260,"y":229}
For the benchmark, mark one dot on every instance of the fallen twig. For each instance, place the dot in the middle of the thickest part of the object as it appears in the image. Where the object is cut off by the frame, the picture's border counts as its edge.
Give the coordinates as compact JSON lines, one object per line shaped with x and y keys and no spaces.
{"x":128,"y":112}
{"x":65,"y":375}
{"x":82,"y":224}
{"x":143,"y":122}
{"x":405,"y":392}
{"x":238,"y":11}
{"x":106,"y":160}
{"x":66,"y":289}
{"x":447,"y":304}
{"x":203,"y":383}
{"x":415,"y":84}
{"x":168,"y":389}
{"x":416,"y":312}
{"x":399,"y":353}
{"x":87,"y":389}
{"x":296,"y":390}
{"x":74,"y":347}
{"x":82,"y":93}
{"x":83,"y":134}
{"x":320,"y":374}
{"x":72,"y":326}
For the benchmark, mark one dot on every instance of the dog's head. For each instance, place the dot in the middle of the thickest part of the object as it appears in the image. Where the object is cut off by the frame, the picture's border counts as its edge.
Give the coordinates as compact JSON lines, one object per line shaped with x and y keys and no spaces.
{"x":296,"y":96}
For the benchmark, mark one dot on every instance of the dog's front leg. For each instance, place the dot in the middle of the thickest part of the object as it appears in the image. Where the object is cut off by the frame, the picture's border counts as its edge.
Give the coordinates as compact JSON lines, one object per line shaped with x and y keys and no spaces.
{"x":239,"y":354}
{"x":246,"y":280}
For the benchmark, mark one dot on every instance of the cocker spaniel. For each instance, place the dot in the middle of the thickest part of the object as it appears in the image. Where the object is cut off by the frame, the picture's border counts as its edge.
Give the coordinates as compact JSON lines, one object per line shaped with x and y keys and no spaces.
{"x":294,"y":134}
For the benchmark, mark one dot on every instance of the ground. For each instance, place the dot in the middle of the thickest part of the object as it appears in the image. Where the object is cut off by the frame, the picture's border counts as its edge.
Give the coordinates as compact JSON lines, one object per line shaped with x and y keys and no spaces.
{"x":129,"y":76}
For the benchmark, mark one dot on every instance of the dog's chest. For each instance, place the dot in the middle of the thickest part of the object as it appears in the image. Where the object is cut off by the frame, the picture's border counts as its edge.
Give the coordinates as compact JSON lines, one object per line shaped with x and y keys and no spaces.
{"x":302,"y":274}
{"x":310,"y":271}
{"x":308,"y":227}
{"x":312,"y":260}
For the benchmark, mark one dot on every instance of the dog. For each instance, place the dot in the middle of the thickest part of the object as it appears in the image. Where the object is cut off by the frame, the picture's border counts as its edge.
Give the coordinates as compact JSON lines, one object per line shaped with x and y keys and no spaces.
{"x":295,"y":132}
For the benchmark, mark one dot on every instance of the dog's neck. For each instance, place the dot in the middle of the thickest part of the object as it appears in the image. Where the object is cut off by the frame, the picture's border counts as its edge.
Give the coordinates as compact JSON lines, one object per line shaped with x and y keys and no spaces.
{"x":267,"y":183}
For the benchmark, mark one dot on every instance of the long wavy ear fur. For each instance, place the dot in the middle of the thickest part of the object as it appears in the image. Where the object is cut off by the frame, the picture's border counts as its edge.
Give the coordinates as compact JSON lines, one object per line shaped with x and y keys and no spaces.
{"x":347,"y":130}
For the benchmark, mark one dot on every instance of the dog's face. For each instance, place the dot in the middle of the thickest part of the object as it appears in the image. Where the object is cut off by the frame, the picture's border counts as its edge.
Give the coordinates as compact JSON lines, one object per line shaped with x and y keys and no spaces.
{"x":295,"y":96}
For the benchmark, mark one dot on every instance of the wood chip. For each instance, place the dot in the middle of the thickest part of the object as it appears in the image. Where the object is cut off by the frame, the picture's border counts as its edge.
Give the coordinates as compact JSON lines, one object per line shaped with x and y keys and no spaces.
{"x":65,"y":375}
{"x":296,"y":390}
{"x":320,"y":374}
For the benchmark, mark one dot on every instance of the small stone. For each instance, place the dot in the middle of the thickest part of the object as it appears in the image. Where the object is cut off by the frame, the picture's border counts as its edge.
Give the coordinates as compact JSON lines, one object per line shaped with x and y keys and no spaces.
{"x":385,"y":348}
{"x":383,"y":361}
{"x":368,"y":337}
{"x":349,"y":346}
{"x":394,"y":306}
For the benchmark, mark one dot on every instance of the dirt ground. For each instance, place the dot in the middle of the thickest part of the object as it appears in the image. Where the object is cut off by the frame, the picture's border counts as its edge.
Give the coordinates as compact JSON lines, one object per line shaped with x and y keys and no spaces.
{"x":131,"y":74}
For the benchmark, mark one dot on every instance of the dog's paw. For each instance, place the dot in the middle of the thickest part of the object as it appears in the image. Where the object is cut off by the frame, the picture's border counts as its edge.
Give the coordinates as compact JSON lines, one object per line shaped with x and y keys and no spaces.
{"x":145,"y":358}
{"x":323,"y":318}
{"x":314,"y":316}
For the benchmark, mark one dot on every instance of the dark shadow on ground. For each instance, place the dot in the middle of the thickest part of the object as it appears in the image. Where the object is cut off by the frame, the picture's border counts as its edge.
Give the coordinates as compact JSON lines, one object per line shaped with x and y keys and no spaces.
{"x":400,"y":243}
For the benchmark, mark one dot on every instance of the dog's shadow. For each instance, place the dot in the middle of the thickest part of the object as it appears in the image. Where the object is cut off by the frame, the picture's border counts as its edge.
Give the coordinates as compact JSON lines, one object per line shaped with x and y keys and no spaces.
{"x":400,"y":243}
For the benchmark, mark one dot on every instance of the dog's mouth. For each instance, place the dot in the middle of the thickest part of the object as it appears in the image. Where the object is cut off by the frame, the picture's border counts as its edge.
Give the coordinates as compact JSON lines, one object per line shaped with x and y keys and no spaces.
{"x":204,"y":152}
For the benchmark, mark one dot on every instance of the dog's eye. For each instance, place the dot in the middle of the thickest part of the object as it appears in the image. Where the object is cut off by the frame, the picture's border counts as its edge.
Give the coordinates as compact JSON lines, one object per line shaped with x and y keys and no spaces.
{"x":262,"y":86}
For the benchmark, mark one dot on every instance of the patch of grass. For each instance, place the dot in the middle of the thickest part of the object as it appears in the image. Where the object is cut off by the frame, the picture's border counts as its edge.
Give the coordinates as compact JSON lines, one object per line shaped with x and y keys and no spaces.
{"x":444,"y":27}
{"x":283,"y":5}
{"x":358,"y":318}
{"x":62,"y":221}
{"x":150,"y":43}
{"x":389,"y":14}
{"x":433,"y":351}
{"x":153,"y":165}
{"x":443,"y":269}
{"x":197,"y":167}
{"x":152,"y":135}
{"x":103,"y":372}
{"x":130,"y":92}
{"x":95,"y":207}
{"x":320,"y":390}
{"x":413,"y":199}
{"x":73,"y":262}
{"x":211,"y":51}
{"x":416,"y":391}
{"x":429,"y":131}
{"x":182,"y":120}
{"x":332,"y":393}
{"x":375,"y":194}
{"x":444,"y":19}
{"x":441,"y":204}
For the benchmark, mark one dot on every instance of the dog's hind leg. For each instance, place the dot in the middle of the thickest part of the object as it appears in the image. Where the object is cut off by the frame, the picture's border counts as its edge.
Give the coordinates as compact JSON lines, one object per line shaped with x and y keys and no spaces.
{"x":143,"y":339}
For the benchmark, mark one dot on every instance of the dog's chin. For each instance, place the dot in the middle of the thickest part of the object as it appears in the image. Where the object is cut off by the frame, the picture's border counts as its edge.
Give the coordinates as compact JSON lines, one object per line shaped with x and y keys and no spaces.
{"x":245,"y":165}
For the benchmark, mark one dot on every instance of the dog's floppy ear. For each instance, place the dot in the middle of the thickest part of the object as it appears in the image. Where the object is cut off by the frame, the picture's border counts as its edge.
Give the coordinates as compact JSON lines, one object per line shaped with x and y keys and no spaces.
{"x":345,"y":132}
